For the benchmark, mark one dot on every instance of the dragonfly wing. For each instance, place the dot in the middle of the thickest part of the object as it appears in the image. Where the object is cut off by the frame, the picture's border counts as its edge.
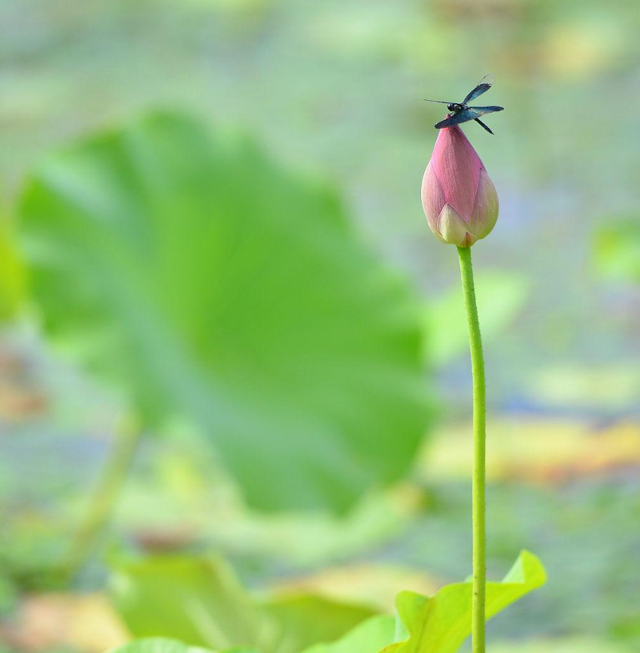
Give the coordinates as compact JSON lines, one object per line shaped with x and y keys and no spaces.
{"x":481,"y":111}
{"x":485,"y":84}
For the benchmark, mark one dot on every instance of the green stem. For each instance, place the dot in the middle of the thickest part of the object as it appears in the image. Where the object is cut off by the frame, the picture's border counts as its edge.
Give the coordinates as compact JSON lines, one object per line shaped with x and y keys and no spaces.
{"x":479,"y":454}
{"x":103,"y":500}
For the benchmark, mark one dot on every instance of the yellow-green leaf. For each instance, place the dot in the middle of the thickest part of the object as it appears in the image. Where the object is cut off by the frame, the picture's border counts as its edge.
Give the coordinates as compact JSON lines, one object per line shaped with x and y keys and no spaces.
{"x":439,"y":624}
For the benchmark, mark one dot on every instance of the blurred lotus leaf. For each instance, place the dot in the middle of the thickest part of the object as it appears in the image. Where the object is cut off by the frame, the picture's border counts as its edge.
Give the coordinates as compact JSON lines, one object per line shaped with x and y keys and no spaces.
{"x":501,"y":296}
{"x":617,"y":249}
{"x":12,"y":273}
{"x":439,"y":624}
{"x":200,"y":601}
{"x":209,"y":284}
{"x":369,"y":636}
{"x":158,"y":645}
{"x":305,"y":619}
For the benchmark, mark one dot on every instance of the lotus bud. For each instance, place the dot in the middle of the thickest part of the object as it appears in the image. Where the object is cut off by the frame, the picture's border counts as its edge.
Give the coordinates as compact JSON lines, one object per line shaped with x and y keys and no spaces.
{"x":459,"y":199}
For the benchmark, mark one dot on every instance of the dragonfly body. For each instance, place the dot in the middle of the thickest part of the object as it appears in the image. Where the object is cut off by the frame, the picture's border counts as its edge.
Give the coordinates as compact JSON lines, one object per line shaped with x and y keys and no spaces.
{"x":461,"y":111}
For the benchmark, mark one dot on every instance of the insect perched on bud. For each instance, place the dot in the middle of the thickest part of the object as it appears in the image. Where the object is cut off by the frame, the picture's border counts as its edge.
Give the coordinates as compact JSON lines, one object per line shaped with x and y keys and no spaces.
{"x":459,"y":199}
{"x":462,"y":112}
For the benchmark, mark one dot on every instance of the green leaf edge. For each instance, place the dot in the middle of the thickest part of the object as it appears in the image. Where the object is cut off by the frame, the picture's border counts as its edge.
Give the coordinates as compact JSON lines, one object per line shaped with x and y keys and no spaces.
{"x":526,"y":575}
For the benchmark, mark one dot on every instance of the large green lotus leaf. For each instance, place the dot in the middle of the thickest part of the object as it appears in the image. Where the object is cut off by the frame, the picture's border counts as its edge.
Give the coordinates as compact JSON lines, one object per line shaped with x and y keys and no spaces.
{"x":439,"y":624}
{"x":200,"y":601}
{"x":368,"y":637}
{"x":208,"y":283}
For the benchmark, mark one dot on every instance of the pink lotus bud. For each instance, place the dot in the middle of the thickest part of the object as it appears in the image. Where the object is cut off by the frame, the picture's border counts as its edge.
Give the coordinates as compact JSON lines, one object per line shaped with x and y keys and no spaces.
{"x":459,"y":199}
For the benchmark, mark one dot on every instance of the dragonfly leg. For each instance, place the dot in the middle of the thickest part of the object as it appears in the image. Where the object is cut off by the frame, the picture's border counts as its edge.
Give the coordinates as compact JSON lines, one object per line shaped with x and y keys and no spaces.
{"x":483,"y":125}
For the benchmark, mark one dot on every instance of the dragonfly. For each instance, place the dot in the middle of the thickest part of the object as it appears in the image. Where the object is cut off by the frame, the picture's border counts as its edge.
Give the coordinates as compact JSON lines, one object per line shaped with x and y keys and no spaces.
{"x":461,"y":112}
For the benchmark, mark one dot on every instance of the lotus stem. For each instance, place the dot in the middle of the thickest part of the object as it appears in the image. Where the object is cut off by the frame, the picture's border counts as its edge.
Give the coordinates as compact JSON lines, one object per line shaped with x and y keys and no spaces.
{"x":479,"y":454}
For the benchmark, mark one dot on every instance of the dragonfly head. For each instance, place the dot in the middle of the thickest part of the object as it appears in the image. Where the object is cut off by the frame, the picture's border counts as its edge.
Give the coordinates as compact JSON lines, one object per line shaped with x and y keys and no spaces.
{"x":454,"y":107}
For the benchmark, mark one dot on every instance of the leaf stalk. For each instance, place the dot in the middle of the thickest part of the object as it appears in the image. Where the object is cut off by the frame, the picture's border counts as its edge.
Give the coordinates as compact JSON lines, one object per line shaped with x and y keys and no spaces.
{"x":104,"y":498}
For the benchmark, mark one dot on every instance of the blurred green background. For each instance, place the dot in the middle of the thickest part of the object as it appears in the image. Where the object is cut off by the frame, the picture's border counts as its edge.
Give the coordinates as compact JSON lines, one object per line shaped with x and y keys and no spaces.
{"x":326,"y":359}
